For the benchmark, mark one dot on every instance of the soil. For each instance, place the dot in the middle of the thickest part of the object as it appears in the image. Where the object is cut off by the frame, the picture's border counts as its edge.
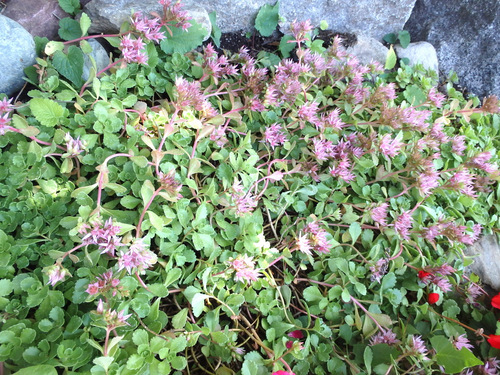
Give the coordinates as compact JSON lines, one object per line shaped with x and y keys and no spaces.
{"x":255,"y":43}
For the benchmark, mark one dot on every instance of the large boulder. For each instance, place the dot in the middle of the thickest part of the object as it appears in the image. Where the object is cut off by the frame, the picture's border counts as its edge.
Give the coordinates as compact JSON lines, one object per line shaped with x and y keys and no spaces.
{"x":17,"y":51}
{"x":466,"y":36}
{"x":39,"y":18}
{"x":107,"y":16}
{"x":373,"y":18}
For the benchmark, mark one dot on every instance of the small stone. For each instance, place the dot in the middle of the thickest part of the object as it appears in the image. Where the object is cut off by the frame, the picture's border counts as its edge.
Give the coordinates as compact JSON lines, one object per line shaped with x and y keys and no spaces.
{"x":419,"y":53}
{"x":99,"y":54}
{"x":17,"y":51}
{"x":368,"y":50}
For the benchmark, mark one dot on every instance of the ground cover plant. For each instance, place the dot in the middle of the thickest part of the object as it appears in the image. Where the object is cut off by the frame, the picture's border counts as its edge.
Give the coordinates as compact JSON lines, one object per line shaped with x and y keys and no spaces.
{"x":228,"y":214}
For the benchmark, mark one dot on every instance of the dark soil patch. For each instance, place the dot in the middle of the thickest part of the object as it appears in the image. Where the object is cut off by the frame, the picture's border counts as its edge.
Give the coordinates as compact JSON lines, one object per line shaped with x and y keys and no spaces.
{"x":255,"y":43}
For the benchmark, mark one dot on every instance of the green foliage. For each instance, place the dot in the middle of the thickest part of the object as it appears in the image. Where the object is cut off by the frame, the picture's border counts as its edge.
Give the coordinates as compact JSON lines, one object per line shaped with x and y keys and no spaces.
{"x":220,"y":214}
{"x":267,"y":19}
{"x":402,"y":36}
{"x":183,"y":41}
{"x":70,"y":6}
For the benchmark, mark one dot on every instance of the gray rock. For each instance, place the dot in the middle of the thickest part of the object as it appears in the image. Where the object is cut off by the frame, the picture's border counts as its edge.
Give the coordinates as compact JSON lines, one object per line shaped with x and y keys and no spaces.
{"x":465,"y":35}
{"x":39,"y":18}
{"x":419,"y":53}
{"x":108,"y":16}
{"x":99,"y":54}
{"x":368,"y":49}
{"x":17,"y":51}
{"x":486,"y":253}
{"x":373,"y":18}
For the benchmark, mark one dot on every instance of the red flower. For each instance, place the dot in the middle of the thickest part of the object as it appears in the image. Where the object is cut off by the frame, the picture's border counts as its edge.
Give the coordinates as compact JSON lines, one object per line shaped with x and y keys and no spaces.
{"x":423,"y":274}
{"x":495,"y":301}
{"x":494,"y":340}
{"x":432,"y":298}
{"x":281,"y":372}
{"x":296,"y":334}
{"x":289,"y":344}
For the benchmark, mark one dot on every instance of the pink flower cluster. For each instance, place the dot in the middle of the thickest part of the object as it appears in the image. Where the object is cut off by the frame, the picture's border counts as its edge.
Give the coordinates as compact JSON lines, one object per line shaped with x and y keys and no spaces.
{"x":132,"y":50}
{"x":274,"y":135}
{"x":5,"y":109}
{"x":189,"y":95}
{"x":453,"y":231}
{"x":170,"y":184}
{"x":112,"y":318}
{"x":244,"y":202}
{"x":105,"y":283}
{"x":216,"y":66}
{"x":384,"y":337}
{"x":313,"y":238}
{"x":436,"y":276}
{"x":56,"y":273}
{"x":389,"y":146}
{"x":149,"y":28}
{"x":138,"y":258}
{"x":104,"y":235}
{"x":74,"y":146}
{"x":403,"y":224}
{"x":244,"y":266}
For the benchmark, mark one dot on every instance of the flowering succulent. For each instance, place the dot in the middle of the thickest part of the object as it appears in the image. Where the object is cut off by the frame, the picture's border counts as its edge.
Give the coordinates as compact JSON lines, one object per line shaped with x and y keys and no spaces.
{"x":233,"y":213}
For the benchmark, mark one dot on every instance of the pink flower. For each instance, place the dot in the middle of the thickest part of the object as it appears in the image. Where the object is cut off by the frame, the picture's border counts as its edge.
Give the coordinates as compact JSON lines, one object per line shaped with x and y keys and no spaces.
{"x":274,"y":135}
{"x":244,"y":202}
{"x":5,"y":105}
{"x":379,"y":214}
{"x":403,"y":224}
{"x":317,"y":237}
{"x":435,"y":97}
{"x":74,"y":146}
{"x":137,"y":258}
{"x":245,"y":268}
{"x":379,"y":269}
{"x":56,"y":273}
{"x":150,"y":28}
{"x":461,"y":341}
{"x":281,"y":372}
{"x":384,"y":337}
{"x":104,"y":235}
{"x":390,"y":147}
{"x":458,"y":144}
{"x":418,"y":347}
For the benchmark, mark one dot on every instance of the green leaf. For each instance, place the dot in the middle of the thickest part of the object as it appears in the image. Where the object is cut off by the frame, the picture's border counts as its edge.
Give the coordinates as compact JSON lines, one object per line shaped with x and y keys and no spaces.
{"x":354,"y":231}
{"x":391,"y":59}
{"x":312,"y":293}
{"x":104,"y":362}
{"x":415,"y":95}
{"x":5,"y":287}
{"x":69,"y":29}
{"x":183,"y":41}
{"x":47,"y":112}
{"x":135,"y":362}
{"x":70,"y":65}
{"x":70,"y":6}
{"x":198,"y":303}
{"x":404,"y":38}
{"x":451,"y":359}
{"x":140,"y":337}
{"x":178,"y":363}
{"x":390,"y":38}
{"x":40,"y":369}
{"x":179,"y":319}
{"x":368,"y":358}
{"x":84,"y":23}
{"x":267,"y":19}
{"x":216,"y":32}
